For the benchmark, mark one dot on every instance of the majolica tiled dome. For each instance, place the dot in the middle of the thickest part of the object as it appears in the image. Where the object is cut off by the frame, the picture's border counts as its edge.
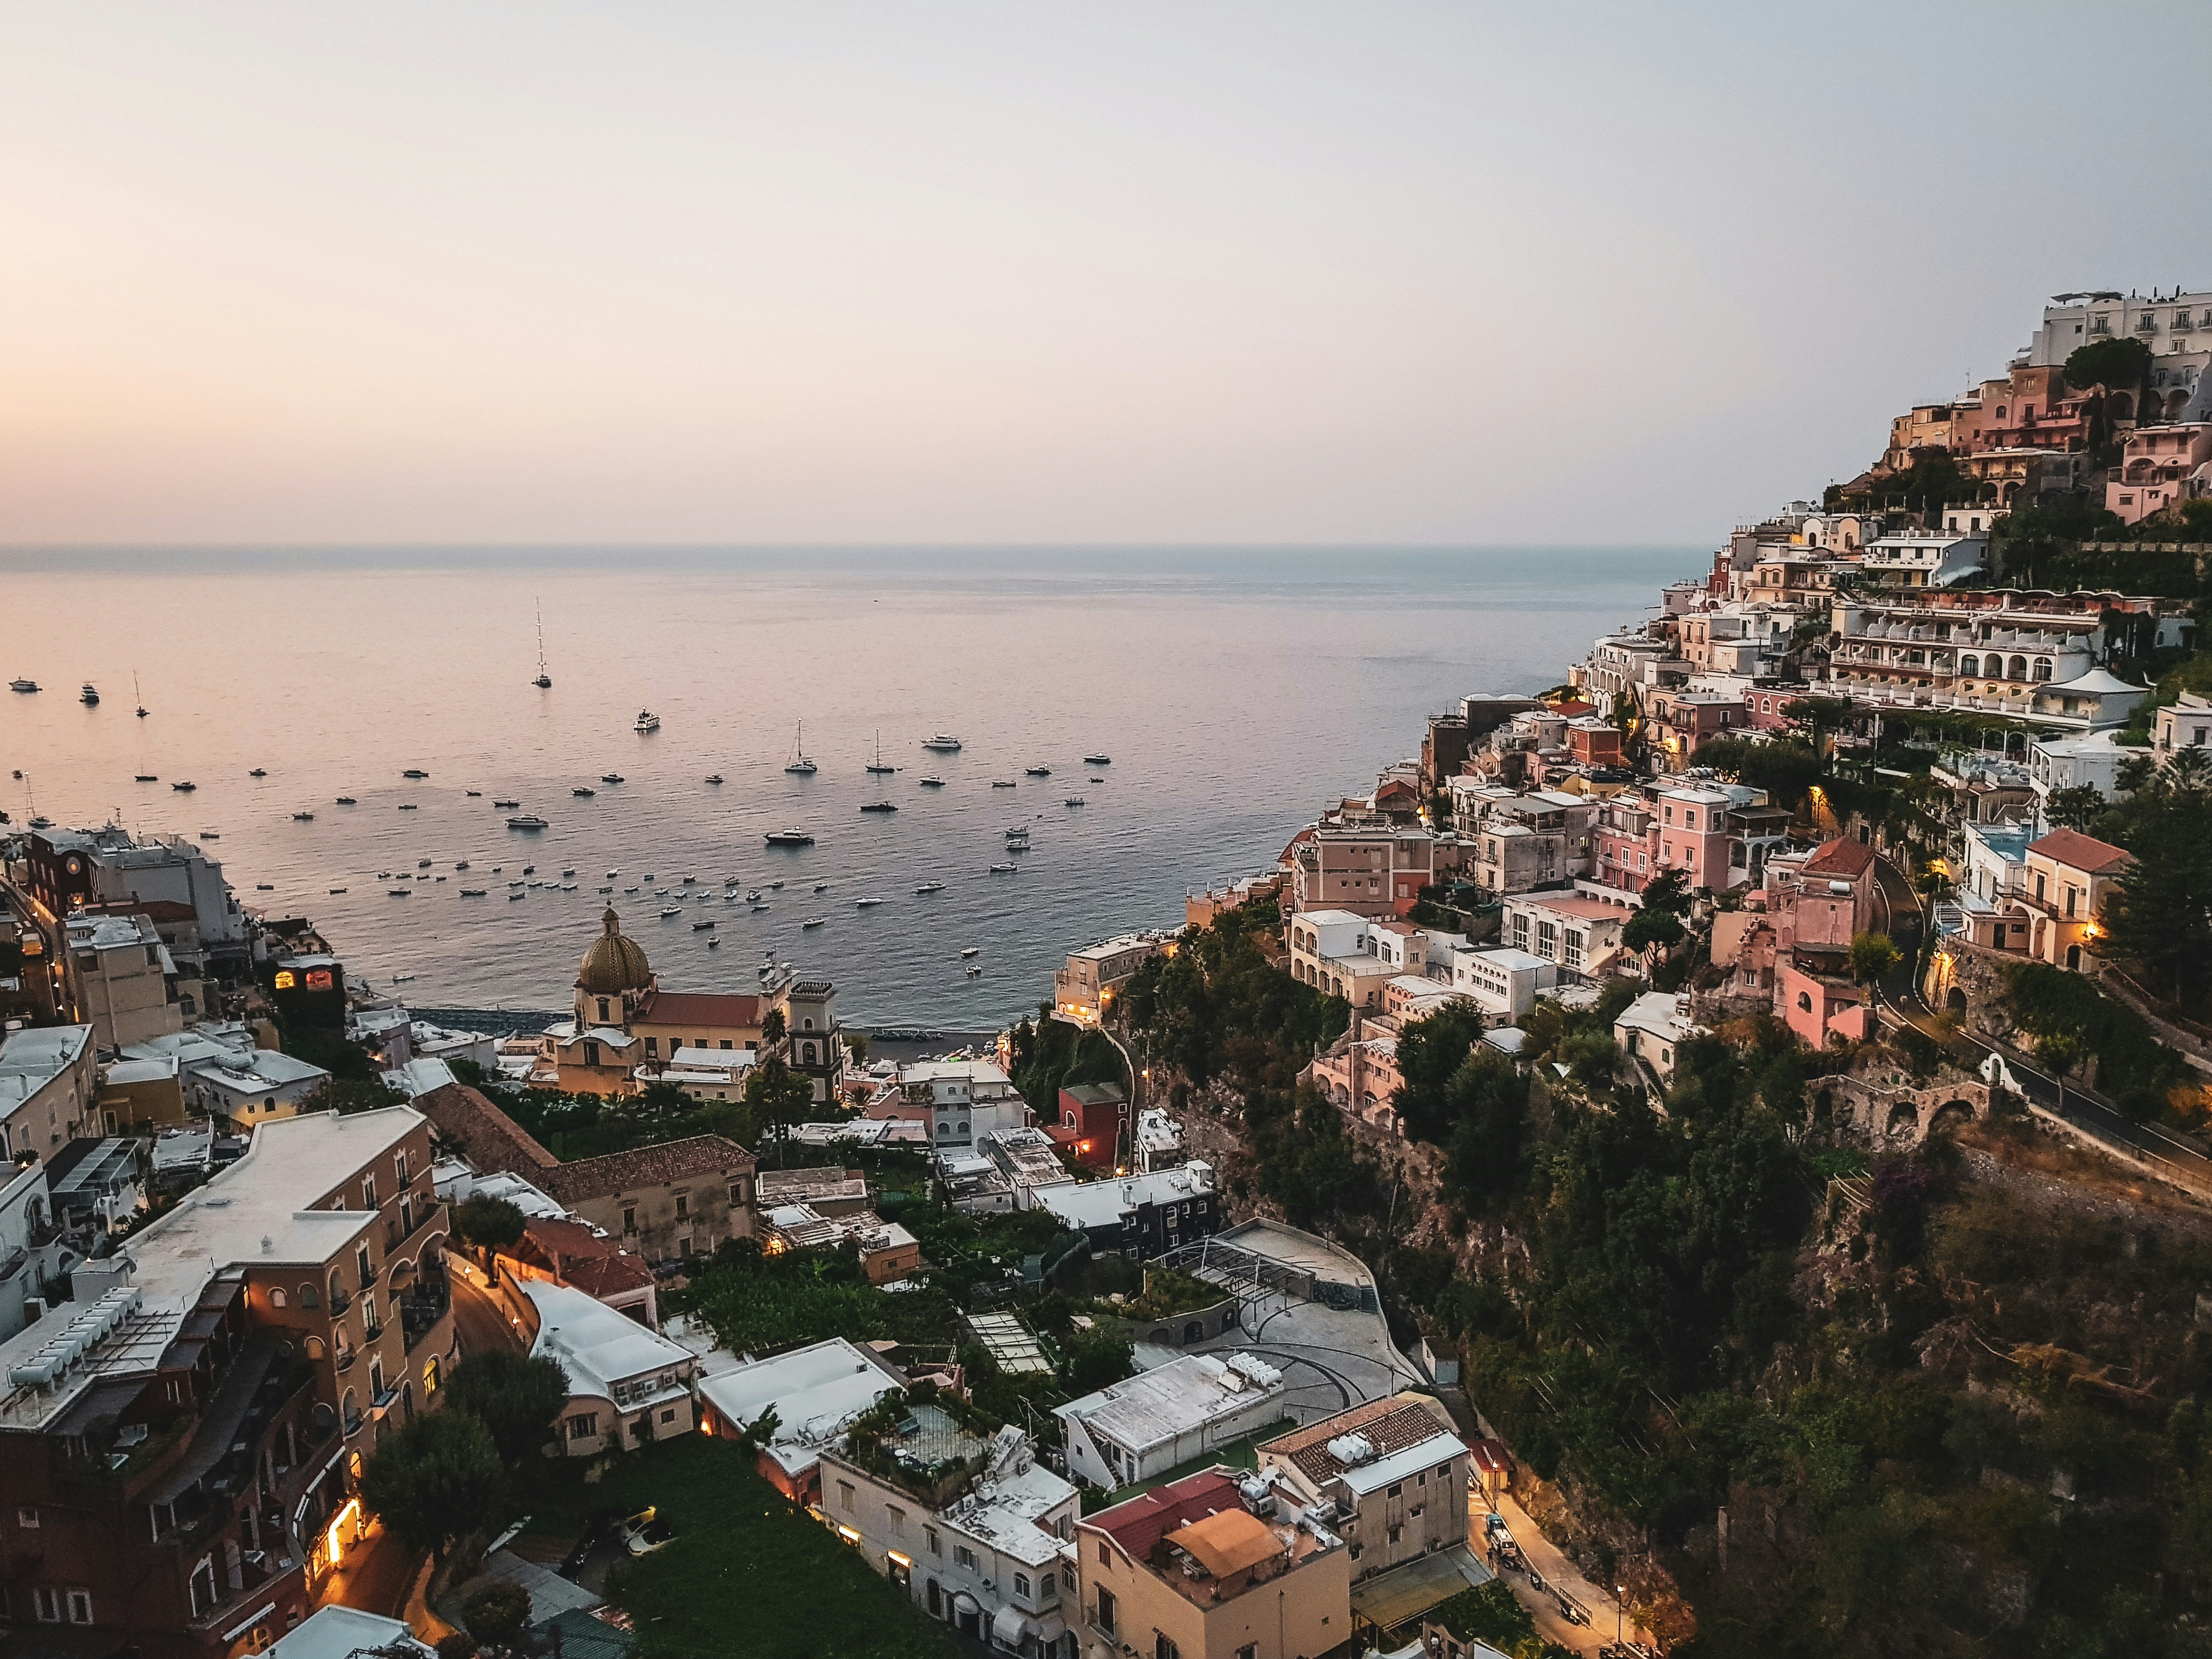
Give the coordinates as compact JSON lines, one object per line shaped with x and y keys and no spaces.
{"x":615,"y":962}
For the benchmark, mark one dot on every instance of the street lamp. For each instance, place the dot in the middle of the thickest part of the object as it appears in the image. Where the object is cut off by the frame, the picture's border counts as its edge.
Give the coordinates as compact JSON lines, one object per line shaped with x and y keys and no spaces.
{"x":1619,"y":1601}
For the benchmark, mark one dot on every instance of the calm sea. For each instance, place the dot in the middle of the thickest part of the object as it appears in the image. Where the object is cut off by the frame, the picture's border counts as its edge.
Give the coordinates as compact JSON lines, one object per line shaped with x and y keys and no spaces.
{"x":1237,"y":691}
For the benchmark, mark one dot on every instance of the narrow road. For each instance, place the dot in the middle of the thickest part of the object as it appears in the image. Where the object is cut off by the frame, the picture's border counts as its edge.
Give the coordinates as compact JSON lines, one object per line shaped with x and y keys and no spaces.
{"x":1595,"y":1602}
{"x":375,"y":1575}
{"x":2069,"y":1102}
{"x":478,"y":1319}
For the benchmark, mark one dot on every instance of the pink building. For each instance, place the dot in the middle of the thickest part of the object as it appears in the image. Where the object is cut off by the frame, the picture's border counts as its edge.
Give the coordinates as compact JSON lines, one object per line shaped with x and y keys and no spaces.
{"x":1763,"y":707}
{"x":1692,"y":836}
{"x":2159,"y":469}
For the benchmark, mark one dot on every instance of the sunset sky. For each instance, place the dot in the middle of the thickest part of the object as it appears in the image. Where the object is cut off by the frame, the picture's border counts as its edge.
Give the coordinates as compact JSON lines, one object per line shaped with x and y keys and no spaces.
{"x":970,"y":272}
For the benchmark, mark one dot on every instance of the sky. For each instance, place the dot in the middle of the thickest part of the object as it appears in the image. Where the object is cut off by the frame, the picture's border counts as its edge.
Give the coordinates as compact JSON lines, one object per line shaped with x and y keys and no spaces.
{"x":945,"y":271}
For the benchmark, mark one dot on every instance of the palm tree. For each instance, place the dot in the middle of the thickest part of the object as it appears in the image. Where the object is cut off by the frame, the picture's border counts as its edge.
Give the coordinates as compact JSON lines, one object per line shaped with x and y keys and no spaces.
{"x":2137,"y":773}
{"x":2189,"y":771}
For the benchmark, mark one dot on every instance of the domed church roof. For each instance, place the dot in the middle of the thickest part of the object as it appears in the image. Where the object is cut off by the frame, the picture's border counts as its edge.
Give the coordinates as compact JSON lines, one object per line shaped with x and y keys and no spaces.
{"x":615,"y":962}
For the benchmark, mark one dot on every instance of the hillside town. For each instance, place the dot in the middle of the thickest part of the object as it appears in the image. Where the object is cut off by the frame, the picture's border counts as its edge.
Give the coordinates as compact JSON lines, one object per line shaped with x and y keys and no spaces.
{"x":1277,"y":1288}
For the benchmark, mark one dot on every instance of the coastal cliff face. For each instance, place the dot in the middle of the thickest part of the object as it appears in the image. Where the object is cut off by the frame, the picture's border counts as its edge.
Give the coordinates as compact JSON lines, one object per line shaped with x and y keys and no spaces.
{"x":1800,"y":1396}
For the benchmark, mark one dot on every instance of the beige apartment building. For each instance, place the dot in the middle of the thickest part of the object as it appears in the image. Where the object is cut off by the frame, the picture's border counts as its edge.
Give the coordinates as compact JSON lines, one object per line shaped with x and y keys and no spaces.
{"x":127,"y":980}
{"x":1377,"y":871}
{"x":1395,"y":1471}
{"x":1094,"y":976}
{"x":1214,"y":1567}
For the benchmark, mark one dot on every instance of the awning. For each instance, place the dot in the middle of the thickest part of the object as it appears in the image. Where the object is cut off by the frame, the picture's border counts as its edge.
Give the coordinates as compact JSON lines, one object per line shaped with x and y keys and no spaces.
{"x":963,"y":1602}
{"x":220,"y":1426}
{"x":1009,"y":1627}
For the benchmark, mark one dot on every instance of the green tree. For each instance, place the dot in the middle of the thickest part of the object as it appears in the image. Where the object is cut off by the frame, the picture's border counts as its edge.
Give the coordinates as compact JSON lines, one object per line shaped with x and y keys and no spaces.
{"x":496,"y":1614}
{"x":346,"y":1096}
{"x":1430,"y":1052}
{"x":515,"y":1396}
{"x":2077,"y":808}
{"x":1649,"y":928}
{"x":490,"y":1224}
{"x":777,"y":1098}
{"x":2159,"y":912}
{"x":2122,"y":365}
{"x":1668,"y":890}
{"x":1873,"y":955}
{"x":1098,"y":1360}
{"x":1820,"y":718}
{"x":438,"y":1477}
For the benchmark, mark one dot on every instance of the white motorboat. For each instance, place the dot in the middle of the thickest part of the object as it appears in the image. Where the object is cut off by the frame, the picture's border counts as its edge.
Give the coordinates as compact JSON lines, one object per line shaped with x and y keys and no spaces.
{"x":930,"y":887}
{"x":866,"y":903}
{"x":932,"y":783}
{"x":528,"y":820}
{"x":973,"y":950}
{"x":647,"y":721}
{"x":667,"y":910}
{"x":1004,"y":869}
{"x":944,"y":743}
{"x":813,"y":921}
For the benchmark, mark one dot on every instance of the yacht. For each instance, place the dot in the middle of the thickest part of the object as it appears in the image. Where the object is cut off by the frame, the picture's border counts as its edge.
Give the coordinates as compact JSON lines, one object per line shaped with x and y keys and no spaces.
{"x":611,"y":777}
{"x":715,"y":942}
{"x":422,"y":864}
{"x":647,"y":721}
{"x":506,"y":805}
{"x":22,"y":685}
{"x":799,"y":766}
{"x":932,"y":783}
{"x":529,"y":869}
{"x":516,"y":895}
{"x":414,"y":772}
{"x":930,"y":887}
{"x":147,"y":777}
{"x":606,"y":889}
{"x":1097,"y":760}
{"x":714,"y":777}
{"x":41,"y":821}
{"x":211,"y":835}
{"x":409,"y":806}
{"x":473,"y":794}
{"x":703,"y":926}
{"x":973,"y":950}
{"x":137,"y":695}
{"x":89,"y":696}
{"x":545,"y":681}
{"x":462,"y":864}
{"x":1073,"y":801}
{"x":259,"y":772}
{"x":789,"y":838}
{"x":668,"y":910}
{"x":303,"y":818}
{"x":866,"y":903}
{"x":878,"y":806}
{"x":1002,"y":783}
{"x":186,"y":787}
{"x":1037,"y":771}
{"x":813,"y":921}
{"x":1095,"y":779}
{"x":753,"y":897}
{"x":1018,"y":833}
{"x":337,"y":889}
{"x":584,"y":793}
{"x":688,"y":881}
{"x":398,"y":892}
{"x":347,"y":801}
{"x":474,"y":892}
{"x":821,"y":886}
{"x":974,"y":969}
{"x":528,"y":820}
{"x":565,"y":874}
{"x":1003,"y":869}
{"x":944,"y":743}
{"x":879,"y":764}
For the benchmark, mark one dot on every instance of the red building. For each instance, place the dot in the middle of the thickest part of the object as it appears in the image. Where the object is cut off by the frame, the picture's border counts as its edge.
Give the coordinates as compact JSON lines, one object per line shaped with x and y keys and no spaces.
{"x":1093,"y":1124}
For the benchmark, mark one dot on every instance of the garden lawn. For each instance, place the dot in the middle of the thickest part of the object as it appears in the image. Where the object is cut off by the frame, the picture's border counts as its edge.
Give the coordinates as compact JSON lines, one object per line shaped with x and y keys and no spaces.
{"x":747,"y":1573}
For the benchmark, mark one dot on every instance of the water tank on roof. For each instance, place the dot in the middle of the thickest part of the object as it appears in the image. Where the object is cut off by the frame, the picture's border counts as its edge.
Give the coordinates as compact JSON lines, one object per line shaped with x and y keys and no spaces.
{"x":1352,"y":1449}
{"x":1840,"y":887}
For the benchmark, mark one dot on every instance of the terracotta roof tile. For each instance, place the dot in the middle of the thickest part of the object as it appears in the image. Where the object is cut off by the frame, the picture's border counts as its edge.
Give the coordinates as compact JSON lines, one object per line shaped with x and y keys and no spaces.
{"x":1388,"y":1425}
{"x":646,"y":1166}
{"x":1840,"y":857}
{"x":1139,"y":1524}
{"x":706,"y":1010}
{"x":2079,"y":852}
{"x":467,"y":1121}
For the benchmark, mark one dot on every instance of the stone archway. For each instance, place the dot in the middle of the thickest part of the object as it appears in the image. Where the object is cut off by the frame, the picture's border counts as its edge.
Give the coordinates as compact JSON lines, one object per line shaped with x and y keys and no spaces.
{"x":1954,"y":1000}
{"x":1903,"y":1125}
{"x":1950,"y":1117}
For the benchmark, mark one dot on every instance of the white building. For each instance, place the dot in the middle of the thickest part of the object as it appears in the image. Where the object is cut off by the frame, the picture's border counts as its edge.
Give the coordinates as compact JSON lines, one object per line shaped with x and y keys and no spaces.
{"x":1921,"y":558}
{"x":2178,"y":329}
{"x":708,"y":1073}
{"x":1504,"y":983}
{"x":1133,"y":1431}
{"x":996,"y":1563}
{"x":960,"y":1100}
{"x":815,"y":1393}
{"x":332,"y":1631}
{"x":48,"y":1082}
{"x":2184,"y":724}
{"x":2086,"y":762}
{"x":1653,"y":1027}
{"x":33,"y":1259}
{"x":626,"y":1384}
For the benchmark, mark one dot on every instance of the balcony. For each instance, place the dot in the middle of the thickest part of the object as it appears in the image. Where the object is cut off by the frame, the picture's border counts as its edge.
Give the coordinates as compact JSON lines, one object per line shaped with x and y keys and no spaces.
{"x":341,"y":1300}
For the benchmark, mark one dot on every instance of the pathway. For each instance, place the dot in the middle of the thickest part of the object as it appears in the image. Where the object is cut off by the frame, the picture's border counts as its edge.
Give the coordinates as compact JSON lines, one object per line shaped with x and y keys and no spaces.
{"x":1598,"y":1605}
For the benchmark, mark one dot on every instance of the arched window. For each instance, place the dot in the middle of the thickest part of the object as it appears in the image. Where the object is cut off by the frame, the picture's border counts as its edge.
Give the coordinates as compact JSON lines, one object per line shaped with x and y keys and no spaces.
{"x":1805,"y":1002}
{"x":807,"y":1054}
{"x":313,"y":1348}
{"x":430,"y":1377}
{"x":276,"y":1295}
{"x":2019,"y":669}
{"x":1969,"y":665}
{"x":2043,"y":668}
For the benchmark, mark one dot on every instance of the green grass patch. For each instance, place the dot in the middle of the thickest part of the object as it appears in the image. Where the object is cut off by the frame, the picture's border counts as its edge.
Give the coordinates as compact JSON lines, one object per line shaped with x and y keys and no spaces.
{"x":748,"y":1575}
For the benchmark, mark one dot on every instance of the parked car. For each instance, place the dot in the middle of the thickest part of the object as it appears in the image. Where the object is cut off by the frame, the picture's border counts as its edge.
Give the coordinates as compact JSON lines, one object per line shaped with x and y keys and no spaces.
{"x":646,"y":1532}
